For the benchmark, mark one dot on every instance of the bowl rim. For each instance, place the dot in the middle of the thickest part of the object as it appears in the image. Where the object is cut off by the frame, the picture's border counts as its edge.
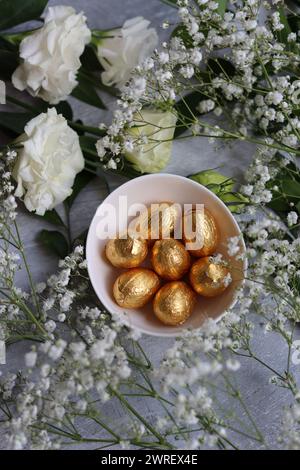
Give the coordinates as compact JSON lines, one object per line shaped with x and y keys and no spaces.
{"x":131,"y":182}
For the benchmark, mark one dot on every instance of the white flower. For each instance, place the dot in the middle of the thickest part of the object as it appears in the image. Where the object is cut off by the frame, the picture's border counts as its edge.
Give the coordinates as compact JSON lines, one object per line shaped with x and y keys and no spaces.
{"x":30,"y":358}
{"x":48,"y":162}
{"x":66,"y":301}
{"x":51,"y":55}
{"x":292,"y":218}
{"x":233,"y":246}
{"x":232,"y":364}
{"x":125,"y":48}
{"x":156,"y":130}
{"x":274,"y":97}
{"x":50,"y":326}
{"x":205,"y":106}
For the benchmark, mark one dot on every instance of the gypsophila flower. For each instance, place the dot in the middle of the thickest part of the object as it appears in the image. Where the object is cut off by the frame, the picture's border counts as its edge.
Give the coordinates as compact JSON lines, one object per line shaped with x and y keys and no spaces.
{"x":30,"y":359}
{"x":292,"y":218}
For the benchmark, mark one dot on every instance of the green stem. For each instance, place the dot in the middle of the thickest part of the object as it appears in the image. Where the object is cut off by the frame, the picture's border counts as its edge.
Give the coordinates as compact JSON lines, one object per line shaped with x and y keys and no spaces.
{"x":89,"y":129}
{"x":106,"y":427}
{"x":27,"y":106}
{"x":140,"y":418}
{"x":239,"y":397}
{"x":28,"y":312}
{"x":68,"y":225}
{"x":21,"y":248}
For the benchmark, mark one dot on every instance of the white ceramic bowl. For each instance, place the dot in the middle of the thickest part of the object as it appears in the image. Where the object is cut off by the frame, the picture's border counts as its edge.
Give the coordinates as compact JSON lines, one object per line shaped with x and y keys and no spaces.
{"x":150,"y":189}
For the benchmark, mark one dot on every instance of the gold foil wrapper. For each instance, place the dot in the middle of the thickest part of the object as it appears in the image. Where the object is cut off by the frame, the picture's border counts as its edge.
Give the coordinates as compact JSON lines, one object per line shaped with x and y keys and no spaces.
{"x":200,"y":228}
{"x":170,"y":259}
{"x":134,"y":288}
{"x":208,"y":278}
{"x":174,"y":303}
{"x":126,"y":253}
{"x":157,"y":222}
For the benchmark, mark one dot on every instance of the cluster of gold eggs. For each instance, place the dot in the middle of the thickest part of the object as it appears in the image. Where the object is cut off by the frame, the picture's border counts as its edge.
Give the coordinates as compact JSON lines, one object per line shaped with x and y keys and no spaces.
{"x":173,"y":301}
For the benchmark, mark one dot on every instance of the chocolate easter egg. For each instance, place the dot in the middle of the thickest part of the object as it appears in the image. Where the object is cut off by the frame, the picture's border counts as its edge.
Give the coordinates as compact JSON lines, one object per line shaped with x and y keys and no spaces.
{"x":209,"y":278}
{"x":158,"y":221}
{"x":200,"y":230}
{"x":170,"y":259}
{"x":126,"y":253}
{"x":174,"y":303}
{"x":135,"y":287}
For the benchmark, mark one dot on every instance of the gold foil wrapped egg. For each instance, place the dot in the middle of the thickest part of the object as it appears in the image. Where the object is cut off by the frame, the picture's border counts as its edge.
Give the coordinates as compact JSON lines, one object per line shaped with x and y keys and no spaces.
{"x":134,"y":288}
{"x":209,"y":278}
{"x":158,"y":221}
{"x":174,"y":303}
{"x":170,"y":259}
{"x":126,"y":253}
{"x":200,"y":228}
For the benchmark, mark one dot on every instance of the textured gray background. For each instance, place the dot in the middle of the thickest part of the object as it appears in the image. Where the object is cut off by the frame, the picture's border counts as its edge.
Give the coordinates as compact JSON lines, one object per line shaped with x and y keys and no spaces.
{"x":264,"y":401}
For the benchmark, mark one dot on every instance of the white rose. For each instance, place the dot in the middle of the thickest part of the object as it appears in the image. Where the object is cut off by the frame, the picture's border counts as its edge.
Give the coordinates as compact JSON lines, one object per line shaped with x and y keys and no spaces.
{"x":51,"y":55}
{"x":48,"y":162}
{"x":125,"y":48}
{"x":156,"y":128}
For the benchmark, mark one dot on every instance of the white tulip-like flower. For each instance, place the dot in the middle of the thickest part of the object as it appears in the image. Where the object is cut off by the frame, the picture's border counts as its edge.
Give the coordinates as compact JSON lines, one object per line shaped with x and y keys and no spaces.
{"x":51,"y":55}
{"x":152,"y":136}
{"x":125,"y":48}
{"x":48,"y":162}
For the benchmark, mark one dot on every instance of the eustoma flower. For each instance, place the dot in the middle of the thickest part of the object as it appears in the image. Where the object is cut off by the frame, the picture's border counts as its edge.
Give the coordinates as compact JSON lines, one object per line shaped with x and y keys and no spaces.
{"x":152,"y":136}
{"x":122,"y":49}
{"x":48,"y":162}
{"x":51,"y":55}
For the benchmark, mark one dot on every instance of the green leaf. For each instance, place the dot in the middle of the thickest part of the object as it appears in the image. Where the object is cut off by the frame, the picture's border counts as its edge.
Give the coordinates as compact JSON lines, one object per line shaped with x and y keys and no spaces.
{"x":294,"y":23}
{"x":88,"y":142}
{"x":291,"y":188}
{"x":14,"y":121}
{"x":11,"y":63}
{"x":220,"y":66}
{"x":89,"y":60}
{"x":53,"y":217}
{"x":19,"y":11}
{"x":214,"y":181}
{"x":283,"y":33}
{"x":55,"y":242}
{"x":235,"y":201}
{"x":81,"y":238}
{"x":222,"y":6}
{"x":278,"y":204}
{"x":171,"y":3}
{"x":289,"y":191}
{"x":181,"y":32}
{"x":65,"y":109}
{"x":81,"y":180}
{"x":86,"y":92}
{"x":9,"y":60}
{"x":187,"y":110}
{"x":93,"y":80}
{"x":288,"y":182}
{"x":222,"y":186}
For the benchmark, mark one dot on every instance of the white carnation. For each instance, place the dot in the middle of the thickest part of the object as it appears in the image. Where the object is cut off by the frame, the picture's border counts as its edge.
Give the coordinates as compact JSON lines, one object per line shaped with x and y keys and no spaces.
{"x":51,"y":55}
{"x":48,"y":162}
{"x":125,"y":48}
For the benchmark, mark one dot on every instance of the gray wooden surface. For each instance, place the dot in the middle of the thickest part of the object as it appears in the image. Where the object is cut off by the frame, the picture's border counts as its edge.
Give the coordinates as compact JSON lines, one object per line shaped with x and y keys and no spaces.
{"x":264,"y":401}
